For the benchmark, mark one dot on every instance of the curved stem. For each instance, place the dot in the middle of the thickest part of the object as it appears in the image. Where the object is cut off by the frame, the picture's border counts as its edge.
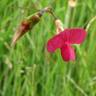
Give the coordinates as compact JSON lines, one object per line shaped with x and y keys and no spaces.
{"x":42,"y":11}
{"x":49,"y":10}
{"x":90,"y":22}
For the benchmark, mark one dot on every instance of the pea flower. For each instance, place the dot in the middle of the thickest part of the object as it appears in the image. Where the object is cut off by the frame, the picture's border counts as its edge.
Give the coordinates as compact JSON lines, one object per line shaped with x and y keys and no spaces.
{"x":64,"y":40}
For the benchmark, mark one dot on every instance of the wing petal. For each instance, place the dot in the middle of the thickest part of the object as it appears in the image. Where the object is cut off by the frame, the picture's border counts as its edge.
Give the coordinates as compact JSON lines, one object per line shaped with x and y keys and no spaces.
{"x":54,"y":43}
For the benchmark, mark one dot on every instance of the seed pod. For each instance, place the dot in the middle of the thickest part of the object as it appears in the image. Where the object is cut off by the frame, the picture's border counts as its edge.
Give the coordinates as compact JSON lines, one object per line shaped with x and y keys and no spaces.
{"x":26,"y":25}
{"x":29,"y":23}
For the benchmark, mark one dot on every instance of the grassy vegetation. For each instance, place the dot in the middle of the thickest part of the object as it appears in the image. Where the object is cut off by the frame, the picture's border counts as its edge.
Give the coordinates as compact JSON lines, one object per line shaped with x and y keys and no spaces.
{"x":28,"y":69}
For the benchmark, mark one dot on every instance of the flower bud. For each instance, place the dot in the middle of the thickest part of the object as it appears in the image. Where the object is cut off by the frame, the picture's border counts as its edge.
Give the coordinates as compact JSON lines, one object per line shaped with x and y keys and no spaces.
{"x":59,"y":26}
{"x":72,"y":3}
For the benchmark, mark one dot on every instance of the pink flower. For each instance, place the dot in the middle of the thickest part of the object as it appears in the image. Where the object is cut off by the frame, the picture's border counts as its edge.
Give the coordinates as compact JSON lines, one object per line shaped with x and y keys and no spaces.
{"x":64,"y":41}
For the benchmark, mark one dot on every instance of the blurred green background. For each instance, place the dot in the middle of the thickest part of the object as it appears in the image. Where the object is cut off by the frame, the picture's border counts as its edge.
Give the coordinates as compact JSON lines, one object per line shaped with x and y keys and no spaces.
{"x":28,"y":69}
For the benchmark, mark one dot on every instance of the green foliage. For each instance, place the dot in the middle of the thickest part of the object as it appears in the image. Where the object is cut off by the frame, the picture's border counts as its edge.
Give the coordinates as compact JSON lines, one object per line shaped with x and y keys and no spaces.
{"x":28,"y":69}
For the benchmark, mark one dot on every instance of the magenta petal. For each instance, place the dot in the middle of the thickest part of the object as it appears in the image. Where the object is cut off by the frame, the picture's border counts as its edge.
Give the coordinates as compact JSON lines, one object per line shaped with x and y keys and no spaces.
{"x":74,"y":35}
{"x":67,"y":52}
{"x":54,"y":43}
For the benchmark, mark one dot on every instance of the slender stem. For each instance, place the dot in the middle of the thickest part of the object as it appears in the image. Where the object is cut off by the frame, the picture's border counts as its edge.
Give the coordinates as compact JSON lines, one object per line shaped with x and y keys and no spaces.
{"x":90,"y":22}
{"x":55,"y":17}
{"x":42,"y":11}
{"x":49,"y":10}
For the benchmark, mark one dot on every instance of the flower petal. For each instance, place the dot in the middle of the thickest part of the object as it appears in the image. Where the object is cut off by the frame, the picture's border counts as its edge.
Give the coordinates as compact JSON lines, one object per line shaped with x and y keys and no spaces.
{"x":67,"y":52}
{"x":54,"y":43}
{"x":74,"y":35}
